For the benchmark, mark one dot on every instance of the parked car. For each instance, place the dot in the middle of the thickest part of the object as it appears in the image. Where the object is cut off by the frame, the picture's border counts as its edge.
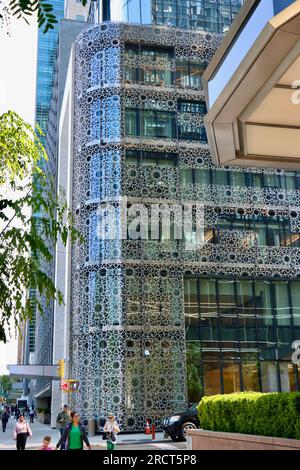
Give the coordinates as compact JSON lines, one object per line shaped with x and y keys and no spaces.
{"x":176,"y":426}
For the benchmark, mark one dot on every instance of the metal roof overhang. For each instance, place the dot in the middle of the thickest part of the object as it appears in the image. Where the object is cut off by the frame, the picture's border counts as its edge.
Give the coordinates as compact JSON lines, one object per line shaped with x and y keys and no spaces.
{"x":255,"y":120}
{"x":34,"y":371}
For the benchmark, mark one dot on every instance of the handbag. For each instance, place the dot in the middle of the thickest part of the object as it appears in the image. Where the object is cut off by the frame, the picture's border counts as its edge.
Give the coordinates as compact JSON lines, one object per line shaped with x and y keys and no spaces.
{"x":111,"y":436}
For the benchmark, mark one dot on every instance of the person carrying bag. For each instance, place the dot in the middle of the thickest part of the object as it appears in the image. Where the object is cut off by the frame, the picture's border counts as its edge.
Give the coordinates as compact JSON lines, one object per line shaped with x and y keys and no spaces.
{"x":111,"y":429}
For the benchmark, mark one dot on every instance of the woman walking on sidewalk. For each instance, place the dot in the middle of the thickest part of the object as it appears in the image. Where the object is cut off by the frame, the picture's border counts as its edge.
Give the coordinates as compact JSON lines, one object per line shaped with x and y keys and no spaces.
{"x":21,"y":432}
{"x":74,"y":435}
{"x":111,"y":429}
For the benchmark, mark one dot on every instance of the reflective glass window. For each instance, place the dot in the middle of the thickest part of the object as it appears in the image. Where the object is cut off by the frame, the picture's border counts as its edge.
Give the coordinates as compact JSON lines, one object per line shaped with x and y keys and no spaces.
{"x":282,"y":303}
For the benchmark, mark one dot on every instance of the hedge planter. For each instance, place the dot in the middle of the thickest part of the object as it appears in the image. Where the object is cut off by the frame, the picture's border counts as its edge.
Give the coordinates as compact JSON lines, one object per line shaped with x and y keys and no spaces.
{"x":260,"y":414}
{"x":44,"y":418}
{"x":212,"y":440}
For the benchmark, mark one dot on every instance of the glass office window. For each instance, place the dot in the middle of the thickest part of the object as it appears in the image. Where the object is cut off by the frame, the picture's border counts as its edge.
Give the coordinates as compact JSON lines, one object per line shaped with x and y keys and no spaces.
{"x":261,"y":231}
{"x":186,"y":176}
{"x":287,"y":377}
{"x":211,"y":373}
{"x":257,"y":180}
{"x":208,"y":299}
{"x":231,"y":373}
{"x":156,"y":66}
{"x":231,"y":376}
{"x":207,"y":15}
{"x":189,"y":75}
{"x":268,"y":371}
{"x":282,"y":303}
{"x":295,"y":297}
{"x":131,"y":122}
{"x":191,"y":302}
{"x":271,"y":180}
{"x":236,"y":178}
{"x":202,"y":176}
{"x":263,"y":302}
{"x":220,"y":177}
{"x":250,"y":372}
{"x":289,"y":180}
{"x":194,"y":107}
{"x":226,"y":295}
{"x":158,"y":124}
{"x":245,"y":302}
{"x":211,"y":16}
{"x":248,"y":356}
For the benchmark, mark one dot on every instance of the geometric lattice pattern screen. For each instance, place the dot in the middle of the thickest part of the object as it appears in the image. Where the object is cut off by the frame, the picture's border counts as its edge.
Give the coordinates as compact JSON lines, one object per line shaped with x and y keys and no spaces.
{"x":139,"y":108}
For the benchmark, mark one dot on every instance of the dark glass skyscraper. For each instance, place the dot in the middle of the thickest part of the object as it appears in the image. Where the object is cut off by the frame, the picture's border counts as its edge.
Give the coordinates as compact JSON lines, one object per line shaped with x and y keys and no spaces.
{"x":46,"y":56}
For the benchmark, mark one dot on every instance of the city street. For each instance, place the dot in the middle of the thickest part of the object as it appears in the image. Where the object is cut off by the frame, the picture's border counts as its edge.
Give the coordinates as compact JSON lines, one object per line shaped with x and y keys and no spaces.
{"x":125,"y":441}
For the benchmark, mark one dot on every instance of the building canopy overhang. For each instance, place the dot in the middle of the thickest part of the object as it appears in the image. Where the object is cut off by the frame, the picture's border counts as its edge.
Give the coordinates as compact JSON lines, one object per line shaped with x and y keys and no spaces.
{"x":34,"y":371}
{"x":253,"y":88}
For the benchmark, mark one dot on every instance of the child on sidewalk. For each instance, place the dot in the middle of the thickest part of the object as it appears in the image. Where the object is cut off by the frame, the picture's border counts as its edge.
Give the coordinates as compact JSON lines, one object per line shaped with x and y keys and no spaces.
{"x":46,"y":443}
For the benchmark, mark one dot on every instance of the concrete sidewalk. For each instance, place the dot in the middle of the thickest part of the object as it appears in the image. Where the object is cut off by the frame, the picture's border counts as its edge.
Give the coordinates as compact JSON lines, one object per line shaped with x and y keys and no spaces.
{"x":125,"y":441}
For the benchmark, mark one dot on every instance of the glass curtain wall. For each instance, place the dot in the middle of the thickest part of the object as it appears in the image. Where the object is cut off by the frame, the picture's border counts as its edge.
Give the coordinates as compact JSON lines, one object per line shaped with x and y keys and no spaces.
{"x":239,"y":334}
{"x":205,"y":15}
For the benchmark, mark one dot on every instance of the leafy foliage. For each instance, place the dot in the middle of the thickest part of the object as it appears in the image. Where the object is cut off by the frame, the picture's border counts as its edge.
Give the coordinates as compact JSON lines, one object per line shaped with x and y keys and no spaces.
{"x":43,"y":8}
{"x":265,"y":414}
{"x":5,"y":383}
{"x":32,"y":219}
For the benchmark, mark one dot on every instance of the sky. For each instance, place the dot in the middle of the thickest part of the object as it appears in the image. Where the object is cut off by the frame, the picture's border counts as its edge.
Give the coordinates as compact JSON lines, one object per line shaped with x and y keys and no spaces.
{"x":17,"y":92}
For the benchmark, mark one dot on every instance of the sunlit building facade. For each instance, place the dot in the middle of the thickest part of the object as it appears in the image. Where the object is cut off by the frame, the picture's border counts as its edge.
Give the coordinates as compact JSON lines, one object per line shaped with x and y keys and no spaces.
{"x":149,"y":325}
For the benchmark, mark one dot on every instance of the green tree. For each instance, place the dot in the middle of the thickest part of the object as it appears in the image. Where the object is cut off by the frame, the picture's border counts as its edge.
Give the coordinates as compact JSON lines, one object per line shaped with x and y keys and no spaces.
{"x":193,"y":372}
{"x":5,"y":384}
{"x":25,"y":8}
{"x":32,"y":219}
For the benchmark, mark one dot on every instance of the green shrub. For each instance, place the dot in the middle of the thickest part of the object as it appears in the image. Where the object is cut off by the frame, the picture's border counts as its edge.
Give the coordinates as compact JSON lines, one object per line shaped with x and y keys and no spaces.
{"x":265,"y":414}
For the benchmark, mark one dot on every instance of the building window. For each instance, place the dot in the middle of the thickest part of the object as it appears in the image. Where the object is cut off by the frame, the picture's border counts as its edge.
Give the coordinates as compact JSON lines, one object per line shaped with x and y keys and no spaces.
{"x":160,"y":124}
{"x":190,"y":120}
{"x":149,"y":66}
{"x":150,"y":123}
{"x":243,"y":332}
{"x":189,"y":75}
{"x":208,"y":15}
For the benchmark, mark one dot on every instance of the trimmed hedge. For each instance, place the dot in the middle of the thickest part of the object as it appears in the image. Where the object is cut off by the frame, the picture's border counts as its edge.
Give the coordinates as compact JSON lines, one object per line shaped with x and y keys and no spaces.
{"x":264,"y":414}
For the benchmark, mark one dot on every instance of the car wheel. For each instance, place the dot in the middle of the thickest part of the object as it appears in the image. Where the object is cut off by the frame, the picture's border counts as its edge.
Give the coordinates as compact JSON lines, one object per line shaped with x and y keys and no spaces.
{"x":175,"y":438}
{"x":183,"y":429}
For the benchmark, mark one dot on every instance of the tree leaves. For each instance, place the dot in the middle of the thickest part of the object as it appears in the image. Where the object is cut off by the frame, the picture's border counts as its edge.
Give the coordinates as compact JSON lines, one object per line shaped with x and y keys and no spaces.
{"x":44,"y":10}
{"x":32,"y":219}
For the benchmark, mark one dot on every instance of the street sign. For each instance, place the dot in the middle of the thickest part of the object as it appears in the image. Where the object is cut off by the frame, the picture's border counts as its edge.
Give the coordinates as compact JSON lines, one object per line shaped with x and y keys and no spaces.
{"x":69,"y":385}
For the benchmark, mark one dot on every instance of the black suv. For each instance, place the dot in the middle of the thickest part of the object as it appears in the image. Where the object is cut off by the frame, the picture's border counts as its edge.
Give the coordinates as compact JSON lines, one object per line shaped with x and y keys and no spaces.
{"x":177,"y":425}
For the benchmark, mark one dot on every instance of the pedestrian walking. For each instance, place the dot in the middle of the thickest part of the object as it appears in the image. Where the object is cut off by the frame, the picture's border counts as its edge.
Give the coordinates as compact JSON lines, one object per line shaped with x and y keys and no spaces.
{"x":63,"y":418}
{"x":46,"y":443}
{"x":31,"y":414}
{"x":17,"y":413}
{"x":5,"y":418}
{"x":111,"y":429}
{"x":74,"y":435}
{"x":21,"y":432}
